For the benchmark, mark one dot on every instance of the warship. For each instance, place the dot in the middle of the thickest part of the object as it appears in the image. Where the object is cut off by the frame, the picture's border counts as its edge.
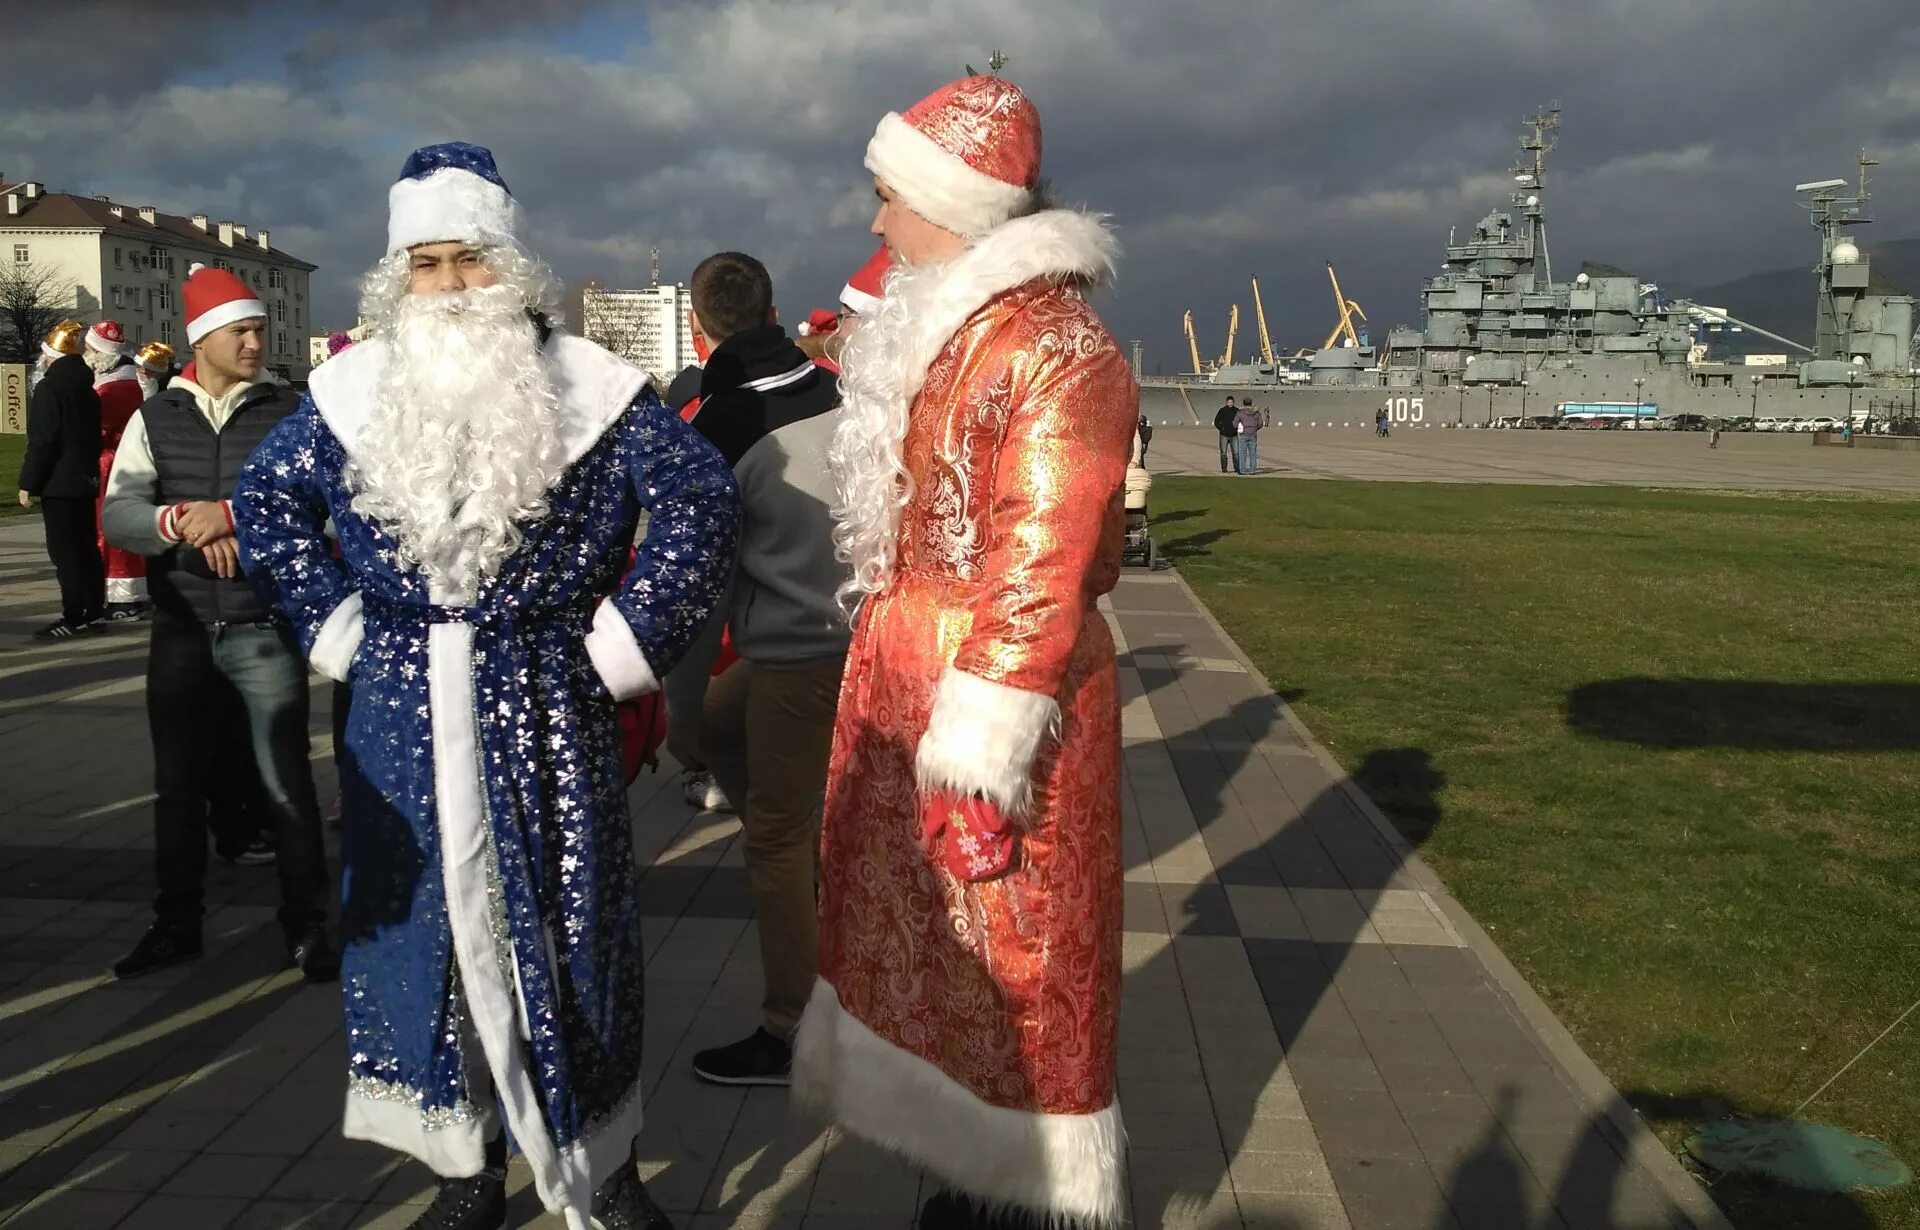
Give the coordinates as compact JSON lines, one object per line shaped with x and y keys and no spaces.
{"x":1503,"y":344}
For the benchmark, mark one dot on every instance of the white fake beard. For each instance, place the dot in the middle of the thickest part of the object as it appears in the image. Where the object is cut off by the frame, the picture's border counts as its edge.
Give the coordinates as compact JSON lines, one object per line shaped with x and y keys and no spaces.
{"x":873,"y":484}
{"x":100,"y":361}
{"x":464,"y":439}
{"x":149,"y":383}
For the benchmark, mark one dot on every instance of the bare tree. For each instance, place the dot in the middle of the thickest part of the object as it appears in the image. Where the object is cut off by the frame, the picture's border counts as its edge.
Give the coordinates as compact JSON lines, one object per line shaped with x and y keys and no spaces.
{"x":612,"y":321}
{"x":33,"y":299}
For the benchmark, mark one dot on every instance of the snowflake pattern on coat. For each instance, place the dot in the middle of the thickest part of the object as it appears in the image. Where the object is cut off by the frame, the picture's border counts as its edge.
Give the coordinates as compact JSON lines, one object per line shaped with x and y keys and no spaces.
{"x":560,"y":892}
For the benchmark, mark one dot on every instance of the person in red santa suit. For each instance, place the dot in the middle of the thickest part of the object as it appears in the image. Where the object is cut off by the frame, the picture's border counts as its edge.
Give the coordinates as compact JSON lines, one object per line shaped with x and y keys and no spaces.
{"x":116,"y":378}
{"x":970,"y":885}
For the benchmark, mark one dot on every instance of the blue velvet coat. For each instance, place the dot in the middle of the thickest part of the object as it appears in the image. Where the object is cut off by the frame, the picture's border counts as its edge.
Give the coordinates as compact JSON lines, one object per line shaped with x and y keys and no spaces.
{"x":491,"y":939}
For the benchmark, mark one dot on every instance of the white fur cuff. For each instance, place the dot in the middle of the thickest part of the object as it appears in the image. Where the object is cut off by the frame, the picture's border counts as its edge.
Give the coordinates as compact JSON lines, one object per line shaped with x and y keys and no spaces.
{"x":939,"y":185}
{"x":982,"y":738}
{"x":615,"y":653}
{"x":339,"y":639}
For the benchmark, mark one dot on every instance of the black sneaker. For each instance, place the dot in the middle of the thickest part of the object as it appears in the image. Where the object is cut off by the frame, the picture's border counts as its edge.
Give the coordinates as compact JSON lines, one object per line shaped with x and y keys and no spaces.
{"x":60,"y":630}
{"x":162,"y":945}
{"x":762,"y":1059}
{"x":126,"y":612}
{"x":260,"y":852}
{"x":479,"y":1203}
{"x":622,"y":1203}
{"x":315,"y":955}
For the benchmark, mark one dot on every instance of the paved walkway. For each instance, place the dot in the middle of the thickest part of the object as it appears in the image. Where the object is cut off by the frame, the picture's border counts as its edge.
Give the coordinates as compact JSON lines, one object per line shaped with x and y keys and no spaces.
{"x":1554,"y":458}
{"x":1314,"y":1037}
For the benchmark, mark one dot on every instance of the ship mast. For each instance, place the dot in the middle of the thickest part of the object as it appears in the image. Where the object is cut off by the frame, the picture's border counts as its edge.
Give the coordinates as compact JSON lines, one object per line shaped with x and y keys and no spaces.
{"x":1843,"y":269}
{"x":1529,"y":177}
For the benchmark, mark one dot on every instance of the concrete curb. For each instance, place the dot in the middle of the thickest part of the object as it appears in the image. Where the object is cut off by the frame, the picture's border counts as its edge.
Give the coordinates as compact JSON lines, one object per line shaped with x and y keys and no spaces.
{"x":1638,"y":1145}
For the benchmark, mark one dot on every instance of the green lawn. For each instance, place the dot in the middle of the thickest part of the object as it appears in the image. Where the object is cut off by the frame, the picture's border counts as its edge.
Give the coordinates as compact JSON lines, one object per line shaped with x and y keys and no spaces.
{"x":1680,"y":739}
{"x":12,"y":449}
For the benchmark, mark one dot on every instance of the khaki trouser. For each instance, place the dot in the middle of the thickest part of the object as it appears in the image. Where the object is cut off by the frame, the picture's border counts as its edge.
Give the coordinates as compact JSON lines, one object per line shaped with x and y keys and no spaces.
{"x":766,"y":735}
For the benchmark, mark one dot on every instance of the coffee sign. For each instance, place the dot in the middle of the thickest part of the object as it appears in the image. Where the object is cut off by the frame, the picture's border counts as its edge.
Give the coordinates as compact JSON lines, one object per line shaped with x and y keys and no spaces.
{"x":13,"y":399}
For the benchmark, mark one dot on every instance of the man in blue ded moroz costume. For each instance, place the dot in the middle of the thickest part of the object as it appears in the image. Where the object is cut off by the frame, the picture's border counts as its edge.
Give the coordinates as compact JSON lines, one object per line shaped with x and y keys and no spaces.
{"x":484,"y":472}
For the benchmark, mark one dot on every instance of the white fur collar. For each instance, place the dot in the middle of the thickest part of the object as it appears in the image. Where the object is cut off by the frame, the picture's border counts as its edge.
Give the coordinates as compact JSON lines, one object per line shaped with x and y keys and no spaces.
{"x":885,"y":369}
{"x":1063,"y":244}
{"x":125,"y":371}
{"x":594,"y":387}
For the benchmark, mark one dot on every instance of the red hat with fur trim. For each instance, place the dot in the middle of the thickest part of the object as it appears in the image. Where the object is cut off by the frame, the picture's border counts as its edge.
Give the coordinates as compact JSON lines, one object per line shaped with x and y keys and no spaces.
{"x":819,"y":323}
{"x":107,"y":338}
{"x":216,"y":299}
{"x":966,"y":157}
{"x":861,"y":294}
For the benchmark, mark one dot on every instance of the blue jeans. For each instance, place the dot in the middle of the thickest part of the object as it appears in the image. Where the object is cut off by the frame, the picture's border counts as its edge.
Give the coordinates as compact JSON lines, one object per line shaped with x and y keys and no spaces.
{"x":1246,"y":453}
{"x":194,"y":671}
{"x":1229,"y":462}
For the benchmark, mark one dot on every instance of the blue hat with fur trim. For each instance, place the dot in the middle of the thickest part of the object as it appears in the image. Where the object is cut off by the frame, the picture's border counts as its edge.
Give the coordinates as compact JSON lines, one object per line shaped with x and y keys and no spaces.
{"x":452,"y":192}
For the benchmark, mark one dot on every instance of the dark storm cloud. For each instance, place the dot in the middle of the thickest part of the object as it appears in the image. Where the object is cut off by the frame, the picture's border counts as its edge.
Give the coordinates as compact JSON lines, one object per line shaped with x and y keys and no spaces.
{"x":1227,"y":138}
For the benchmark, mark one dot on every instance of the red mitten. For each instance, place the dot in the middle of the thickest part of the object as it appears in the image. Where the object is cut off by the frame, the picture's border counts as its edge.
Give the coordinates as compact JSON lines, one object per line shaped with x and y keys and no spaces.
{"x":969,"y":833}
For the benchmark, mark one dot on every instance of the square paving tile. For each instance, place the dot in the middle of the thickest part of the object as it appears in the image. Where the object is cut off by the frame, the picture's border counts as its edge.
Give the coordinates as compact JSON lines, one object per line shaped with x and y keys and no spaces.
{"x":236,"y":1175}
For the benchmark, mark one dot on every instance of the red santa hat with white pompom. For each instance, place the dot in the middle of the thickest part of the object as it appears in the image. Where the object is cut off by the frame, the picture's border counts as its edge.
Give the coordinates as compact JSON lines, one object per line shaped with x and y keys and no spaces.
{"x":215,"y":299}
{"x":106,"y":338}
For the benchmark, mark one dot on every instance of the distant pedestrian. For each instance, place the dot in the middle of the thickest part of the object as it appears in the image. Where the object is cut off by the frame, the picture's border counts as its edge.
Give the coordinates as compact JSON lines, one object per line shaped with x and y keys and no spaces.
{"x":1713,"y":437}
{"x":62,"y":468}
{"x":1223,"y":422}
{"x":116,"y":381}
{"x":1146,"y":438}
{"x":1246,"y":439}
{"x":1381,"y":426}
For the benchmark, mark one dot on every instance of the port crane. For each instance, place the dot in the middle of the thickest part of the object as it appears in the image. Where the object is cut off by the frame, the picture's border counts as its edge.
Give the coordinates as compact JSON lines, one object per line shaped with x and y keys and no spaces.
{"x":1348,"y":311}
{"x":1233,"y":331}
{"x":1193,"y":346}
{"x":1260,"y":316}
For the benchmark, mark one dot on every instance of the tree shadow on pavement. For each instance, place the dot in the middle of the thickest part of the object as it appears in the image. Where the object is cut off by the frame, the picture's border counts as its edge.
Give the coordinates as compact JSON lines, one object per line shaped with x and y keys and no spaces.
{"x":1427,"y":1093}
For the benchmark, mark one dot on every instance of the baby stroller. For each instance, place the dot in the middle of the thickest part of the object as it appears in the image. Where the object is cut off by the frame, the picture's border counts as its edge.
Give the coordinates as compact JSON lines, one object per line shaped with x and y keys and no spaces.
{"x":1138,"y":550}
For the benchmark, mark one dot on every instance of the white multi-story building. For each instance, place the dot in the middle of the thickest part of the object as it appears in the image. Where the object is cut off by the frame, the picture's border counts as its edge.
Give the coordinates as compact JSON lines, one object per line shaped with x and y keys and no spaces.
{"x":647,"y":327}
{"x":126,"y":262}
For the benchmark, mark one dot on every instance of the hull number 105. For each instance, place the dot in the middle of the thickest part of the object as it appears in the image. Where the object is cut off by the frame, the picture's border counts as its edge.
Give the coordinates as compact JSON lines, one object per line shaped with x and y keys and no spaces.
{"x":1406,"y":409}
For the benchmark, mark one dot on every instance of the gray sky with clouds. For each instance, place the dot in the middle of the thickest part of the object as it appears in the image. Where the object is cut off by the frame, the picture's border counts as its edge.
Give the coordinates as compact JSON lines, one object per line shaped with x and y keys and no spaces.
{"x":1227,"y":137}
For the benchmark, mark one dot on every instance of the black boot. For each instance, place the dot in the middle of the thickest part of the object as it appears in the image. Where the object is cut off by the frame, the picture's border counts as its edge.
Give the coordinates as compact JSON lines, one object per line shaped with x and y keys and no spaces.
{"x":478,"y":1203}
{"x":622,"y":1203}
{"x":164,"y":944}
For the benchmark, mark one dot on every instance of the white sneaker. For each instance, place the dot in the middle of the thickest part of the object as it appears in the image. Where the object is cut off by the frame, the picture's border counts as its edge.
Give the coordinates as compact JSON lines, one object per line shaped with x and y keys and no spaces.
{"x":715,"y":799}
{"x":694,"y":787}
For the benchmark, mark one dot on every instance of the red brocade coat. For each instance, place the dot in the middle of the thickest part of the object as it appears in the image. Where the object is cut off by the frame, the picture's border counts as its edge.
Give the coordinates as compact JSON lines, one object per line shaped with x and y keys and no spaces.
{"x":971,"y":1026}
{"x":120,"y":397}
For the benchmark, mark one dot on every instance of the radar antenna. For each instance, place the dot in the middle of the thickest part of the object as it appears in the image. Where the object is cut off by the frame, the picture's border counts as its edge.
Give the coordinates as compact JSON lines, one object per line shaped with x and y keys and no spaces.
{"x":1529,"y":179}
{"x":654,"y":256}
{"x":1831,"y":210}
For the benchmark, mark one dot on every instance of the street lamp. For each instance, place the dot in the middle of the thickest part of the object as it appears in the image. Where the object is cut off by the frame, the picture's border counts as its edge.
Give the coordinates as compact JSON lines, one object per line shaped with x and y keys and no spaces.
{"x":1523,"y":403}
{"x":1489,"y":405}
{"x":1753,"y":414}
{"x":1460,"y":415}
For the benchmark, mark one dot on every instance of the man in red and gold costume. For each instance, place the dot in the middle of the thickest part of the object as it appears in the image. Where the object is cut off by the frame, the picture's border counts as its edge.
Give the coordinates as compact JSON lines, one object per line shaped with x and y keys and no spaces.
{"x":970,"y":895}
